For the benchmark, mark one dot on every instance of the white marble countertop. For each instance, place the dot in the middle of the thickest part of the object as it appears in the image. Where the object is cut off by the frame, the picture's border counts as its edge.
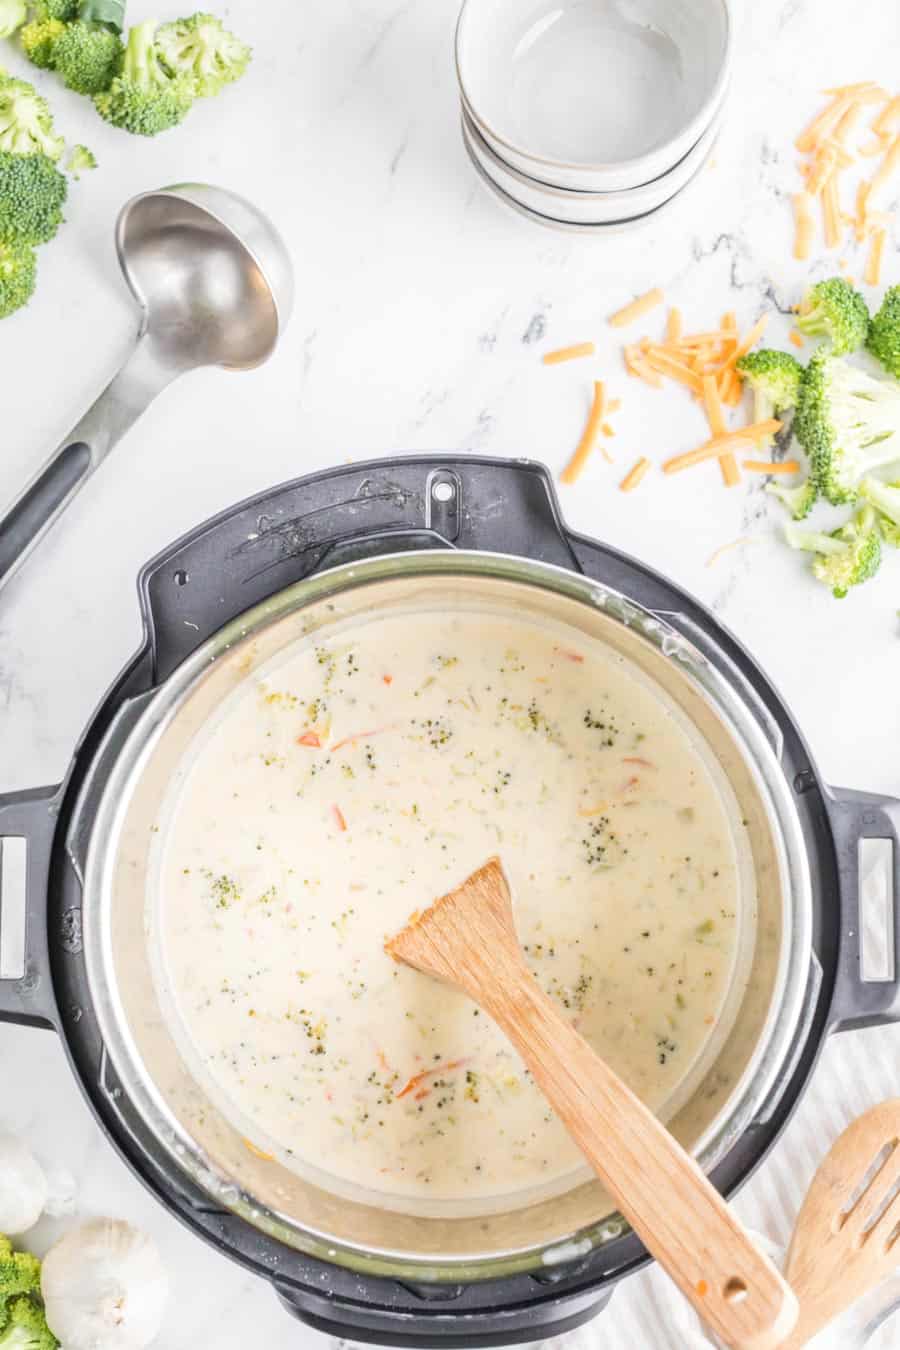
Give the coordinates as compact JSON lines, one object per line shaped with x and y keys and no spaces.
{"x":417,"y":298}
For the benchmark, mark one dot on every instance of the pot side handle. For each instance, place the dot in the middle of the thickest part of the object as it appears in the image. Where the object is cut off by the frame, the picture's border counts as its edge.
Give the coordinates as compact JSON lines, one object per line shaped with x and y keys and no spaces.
{"x":856,"y":817}
{"x":27,"y":827}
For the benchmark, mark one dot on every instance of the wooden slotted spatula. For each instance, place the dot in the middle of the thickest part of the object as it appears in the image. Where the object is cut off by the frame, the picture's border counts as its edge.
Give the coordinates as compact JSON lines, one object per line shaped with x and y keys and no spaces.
{"x":468,"y":939}
{"x":847,"y":1236}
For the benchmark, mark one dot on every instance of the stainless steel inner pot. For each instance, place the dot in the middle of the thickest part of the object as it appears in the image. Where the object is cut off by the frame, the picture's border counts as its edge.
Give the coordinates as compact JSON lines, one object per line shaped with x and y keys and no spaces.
{"x":118,"y":906}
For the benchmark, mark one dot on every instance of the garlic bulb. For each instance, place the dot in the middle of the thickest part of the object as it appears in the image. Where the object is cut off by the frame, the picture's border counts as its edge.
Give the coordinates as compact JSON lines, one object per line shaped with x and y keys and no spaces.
{"x":104,"y":1287}
{"x":23,"y":1187}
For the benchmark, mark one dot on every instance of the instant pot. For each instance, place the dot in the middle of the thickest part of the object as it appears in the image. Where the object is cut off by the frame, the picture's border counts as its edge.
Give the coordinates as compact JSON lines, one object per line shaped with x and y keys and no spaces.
{"x":431,"y":531}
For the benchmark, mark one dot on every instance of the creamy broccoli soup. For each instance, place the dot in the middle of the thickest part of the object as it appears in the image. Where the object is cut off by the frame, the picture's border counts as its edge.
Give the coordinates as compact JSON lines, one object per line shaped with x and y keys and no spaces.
{"x":360,"y":778}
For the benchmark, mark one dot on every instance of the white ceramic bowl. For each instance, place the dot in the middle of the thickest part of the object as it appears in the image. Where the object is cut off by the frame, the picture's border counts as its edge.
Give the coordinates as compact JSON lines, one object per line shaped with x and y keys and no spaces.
{"x":623,"y":225}
{"x":586,"y":208}
{"x":593,"y":95}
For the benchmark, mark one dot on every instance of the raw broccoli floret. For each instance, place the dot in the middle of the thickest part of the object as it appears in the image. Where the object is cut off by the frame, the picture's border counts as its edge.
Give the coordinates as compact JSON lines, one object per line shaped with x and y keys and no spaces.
{"x":39,"y":39}
{"x":885,"y":497}
{"x":203,"y":52}
{"x":32,"y":195}
{"x":835,"y":310}
{"x":774,"y":378}
{"x":862,"y":559}
{"x":18,"y":273}
{"x":26,"y":123}
{"x":847,"y":422}
{"x":23,"y":1325}
{"x":20,"y":1272}
{"x":13,"y":14}
{"x":87,"y":56}
{"x":846,"y":557}
{"x":884,"y":332}
{"x":143,"y":98}
{"x":799,"y":500}
{"x":79,"y":160}
{"x":64,"y":10}
{"x":26,"y":1327}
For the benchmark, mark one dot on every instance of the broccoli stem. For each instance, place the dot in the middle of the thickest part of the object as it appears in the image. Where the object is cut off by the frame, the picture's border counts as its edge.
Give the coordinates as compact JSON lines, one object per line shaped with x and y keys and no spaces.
{"x":763,"y":410}
{"x":815,"y":321}
{"x":885,"y":497}
{"x":137,"y":65}
{"x":813,"y":541}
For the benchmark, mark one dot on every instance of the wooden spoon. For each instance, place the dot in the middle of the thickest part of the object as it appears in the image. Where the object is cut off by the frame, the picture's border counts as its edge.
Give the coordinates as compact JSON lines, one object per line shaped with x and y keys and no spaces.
{"x":468,"y":939}
{"x":846,"y":1238}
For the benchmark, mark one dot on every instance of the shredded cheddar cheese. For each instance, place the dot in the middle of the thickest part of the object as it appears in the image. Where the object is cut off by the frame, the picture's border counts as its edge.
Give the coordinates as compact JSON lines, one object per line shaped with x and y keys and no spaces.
{"x":750,"y":339}
{"x":886,"y":169}
{"x":572,"y":353}
{"x":635,"y":475}
{"x":803,"y":225}
{"x":726,"y":548}
{"x":829,"y":149}
{"x":888,"y":119}
{"x":848,"y":123}
{"x":636,"y":365}
{"x":705,"y":339}
{"x":629,"y":313}
{"x":843,"y":157}
{"x":820,"y":171}
{"x":722,"y":445}
{"x":831,"y":212}
{"x":823,"y":123}
{"x":713,"y":405}
{"x":862,"y":207}
{"x":702,"y":362}
{"x":660,"y":360}
{"x":731,"y":475}
{"x":573,"y":470}
{"x":733,"y":397}
{"x":257,"y":1152}
{"x":864,"y":87}
{"x":873,"y":262}
{"x":772,"y":466}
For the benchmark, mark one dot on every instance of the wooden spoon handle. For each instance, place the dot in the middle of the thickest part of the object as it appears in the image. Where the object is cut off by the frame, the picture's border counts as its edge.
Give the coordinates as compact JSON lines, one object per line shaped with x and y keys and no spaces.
{"x":676,"y":1211}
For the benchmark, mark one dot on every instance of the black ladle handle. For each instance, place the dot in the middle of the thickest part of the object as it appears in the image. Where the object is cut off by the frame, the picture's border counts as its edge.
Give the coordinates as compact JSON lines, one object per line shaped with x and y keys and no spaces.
{"x":44,"y":499}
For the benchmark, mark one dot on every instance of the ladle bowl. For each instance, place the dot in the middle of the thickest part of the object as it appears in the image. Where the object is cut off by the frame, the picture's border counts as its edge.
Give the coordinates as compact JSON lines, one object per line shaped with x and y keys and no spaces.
{"x":214,"y":283}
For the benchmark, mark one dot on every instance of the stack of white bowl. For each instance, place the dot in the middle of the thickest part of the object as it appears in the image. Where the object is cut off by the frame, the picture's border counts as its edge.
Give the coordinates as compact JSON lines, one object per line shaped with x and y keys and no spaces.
{"x":592,"y":114}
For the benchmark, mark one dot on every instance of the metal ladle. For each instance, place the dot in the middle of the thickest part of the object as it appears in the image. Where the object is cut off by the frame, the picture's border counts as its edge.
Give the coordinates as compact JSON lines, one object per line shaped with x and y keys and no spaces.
{"x":215,"y":285}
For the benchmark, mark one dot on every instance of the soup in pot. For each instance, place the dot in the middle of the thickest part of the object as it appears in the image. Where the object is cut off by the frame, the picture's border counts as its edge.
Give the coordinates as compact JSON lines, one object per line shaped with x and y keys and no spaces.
{"x":371,"y":770}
